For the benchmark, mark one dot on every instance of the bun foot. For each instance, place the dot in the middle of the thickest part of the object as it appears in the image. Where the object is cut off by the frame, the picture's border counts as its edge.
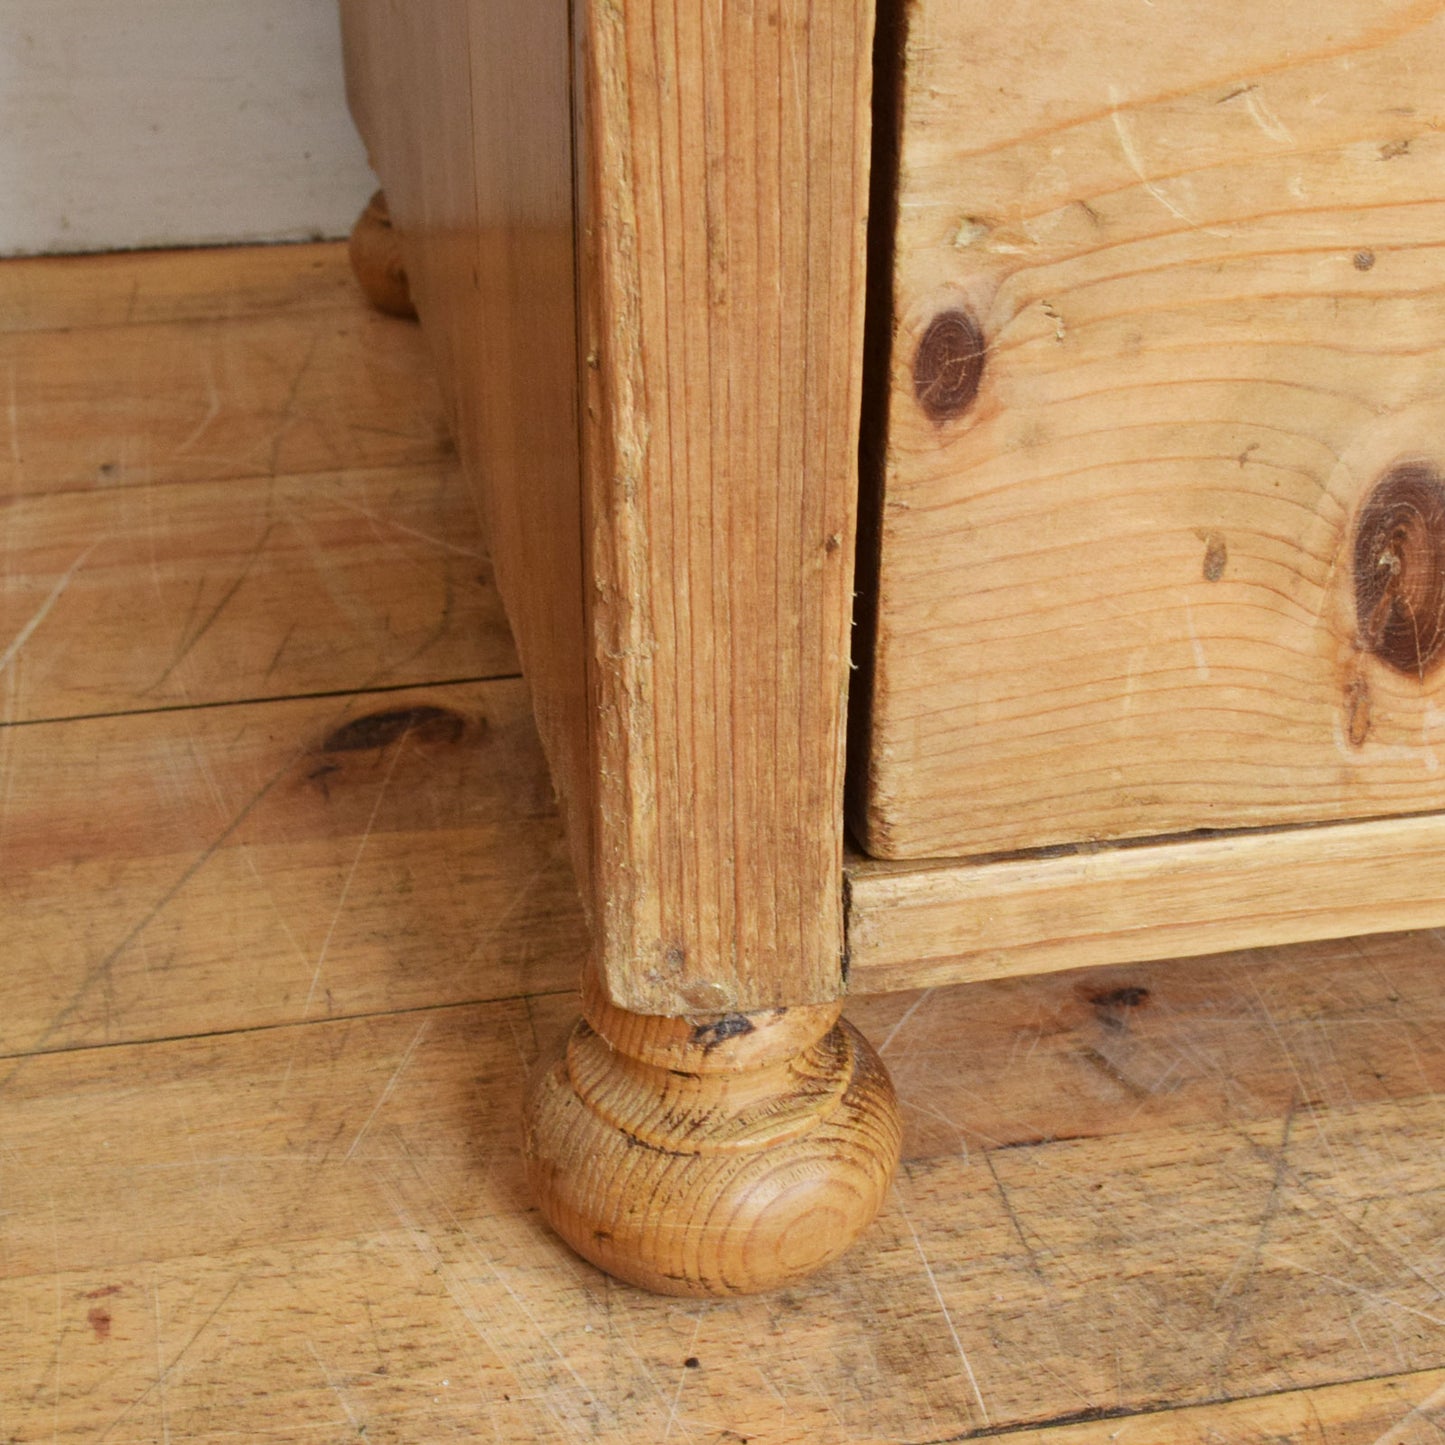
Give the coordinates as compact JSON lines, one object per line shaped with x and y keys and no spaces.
{"x":376,"y":261}
{"x":716,"y":1156}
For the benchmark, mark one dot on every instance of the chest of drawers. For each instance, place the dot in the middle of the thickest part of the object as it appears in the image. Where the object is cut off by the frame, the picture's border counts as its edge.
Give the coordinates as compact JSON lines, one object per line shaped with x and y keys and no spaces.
{"x":1026,"y":423}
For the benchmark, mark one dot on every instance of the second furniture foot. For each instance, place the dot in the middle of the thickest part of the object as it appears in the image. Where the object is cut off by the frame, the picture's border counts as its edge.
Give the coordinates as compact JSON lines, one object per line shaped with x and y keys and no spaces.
{"x":713,"y":1156}
{"x":377,"y":263}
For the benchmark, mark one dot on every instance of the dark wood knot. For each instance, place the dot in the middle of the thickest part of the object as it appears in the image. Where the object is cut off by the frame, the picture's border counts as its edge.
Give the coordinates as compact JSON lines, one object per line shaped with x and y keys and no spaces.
{"x":382,"y":729}
{"x":948,"y":367}
{"x":1400,"y":569}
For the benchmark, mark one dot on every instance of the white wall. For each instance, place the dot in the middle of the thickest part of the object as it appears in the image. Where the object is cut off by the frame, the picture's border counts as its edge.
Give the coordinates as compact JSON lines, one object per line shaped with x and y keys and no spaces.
{"x":172,"y":122}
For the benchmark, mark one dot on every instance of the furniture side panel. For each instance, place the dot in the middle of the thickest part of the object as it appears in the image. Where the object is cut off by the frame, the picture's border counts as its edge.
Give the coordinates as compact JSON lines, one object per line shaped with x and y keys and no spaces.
{"x":466,"y":108}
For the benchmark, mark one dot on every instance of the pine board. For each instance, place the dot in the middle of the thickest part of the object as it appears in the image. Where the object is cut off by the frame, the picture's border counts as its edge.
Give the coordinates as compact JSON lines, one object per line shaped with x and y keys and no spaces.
{"x":642,"y":228}
{"x":305,"y":1220}
{"x":1239,"y":1036}
{"x":1400,"y":1410}
{"x":204,"y":592}
{"x":724,"y":161}
{"x":226,"y":396}
{"x":1117,"y":595}
{"x":63,"y":293}
{"x":912,"y":924}
{"x":220,"y":868}
{"x":320,"y":1227}
{"x":466,"y":109}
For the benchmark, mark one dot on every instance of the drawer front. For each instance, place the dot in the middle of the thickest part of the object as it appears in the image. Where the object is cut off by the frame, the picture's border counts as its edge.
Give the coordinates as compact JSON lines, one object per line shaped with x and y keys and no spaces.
{"x":1163,"y":497}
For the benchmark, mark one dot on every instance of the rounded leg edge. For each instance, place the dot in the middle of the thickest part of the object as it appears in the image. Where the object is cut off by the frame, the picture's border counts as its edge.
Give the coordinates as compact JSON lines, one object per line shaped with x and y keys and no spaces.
{"x":711,"y":1184}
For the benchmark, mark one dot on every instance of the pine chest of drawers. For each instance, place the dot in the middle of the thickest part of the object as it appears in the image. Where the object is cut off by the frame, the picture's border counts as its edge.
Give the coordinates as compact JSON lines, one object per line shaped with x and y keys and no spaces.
{"x":1026,"y":422}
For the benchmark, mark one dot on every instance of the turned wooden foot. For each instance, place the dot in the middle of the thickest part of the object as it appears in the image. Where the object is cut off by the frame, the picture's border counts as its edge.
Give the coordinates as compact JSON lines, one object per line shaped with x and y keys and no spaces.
{"x":376,"y":260}
{"x":715,"y":1156}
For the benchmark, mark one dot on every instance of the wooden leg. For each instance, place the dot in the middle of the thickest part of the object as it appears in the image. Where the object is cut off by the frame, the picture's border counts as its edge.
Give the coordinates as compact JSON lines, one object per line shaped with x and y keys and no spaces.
{"x":714,"y":1156}
{"x":656,"y":347}
{"x":376,"y":260}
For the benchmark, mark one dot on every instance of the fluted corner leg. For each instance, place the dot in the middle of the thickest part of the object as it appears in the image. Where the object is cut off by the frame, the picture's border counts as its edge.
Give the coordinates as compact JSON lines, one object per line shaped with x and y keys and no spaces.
{"x":718,"y":1156}
{"x":377,"y":263}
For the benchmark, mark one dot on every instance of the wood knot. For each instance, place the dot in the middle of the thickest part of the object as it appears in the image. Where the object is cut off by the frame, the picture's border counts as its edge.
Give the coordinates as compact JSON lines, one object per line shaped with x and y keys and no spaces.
{"x":382,"y":729}
{"x":948,"y":367}
{"x":1399,"y":562}
{"x":1112,"y":1005}
{"x":1129,"y":995}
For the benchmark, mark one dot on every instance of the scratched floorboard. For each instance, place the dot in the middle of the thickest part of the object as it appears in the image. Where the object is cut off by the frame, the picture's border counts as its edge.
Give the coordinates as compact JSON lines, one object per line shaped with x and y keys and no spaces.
{"x":170,"y":383}
{"x":277,"y":951}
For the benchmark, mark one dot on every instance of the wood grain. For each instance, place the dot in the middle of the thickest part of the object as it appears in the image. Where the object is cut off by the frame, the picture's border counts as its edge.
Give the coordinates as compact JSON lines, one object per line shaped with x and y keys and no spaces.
{"x":274,"y":393}
{"x":152,"y":583}
{"x":724,"y":176}
{"x":1118,"y":587}
{"x":232,"y":867}
{"x":710,"y":1157}
{"x":1175,"y":1045}
{"x":1403,"y":1410}
{"x":911,"y":925}
{"x":117,"y":832}
{"x":313,"y":1228}
{"x":466,"y":108}
{"x":407,"y":79}
{"x":685,"y":617}
{"x":60,"y":293}
{"x":203,"y":592}
{"x":316,"y":1225}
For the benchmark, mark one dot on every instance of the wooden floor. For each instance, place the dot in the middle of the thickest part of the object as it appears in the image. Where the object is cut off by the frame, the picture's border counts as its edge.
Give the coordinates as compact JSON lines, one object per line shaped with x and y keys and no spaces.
{"x":285,"y":911}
